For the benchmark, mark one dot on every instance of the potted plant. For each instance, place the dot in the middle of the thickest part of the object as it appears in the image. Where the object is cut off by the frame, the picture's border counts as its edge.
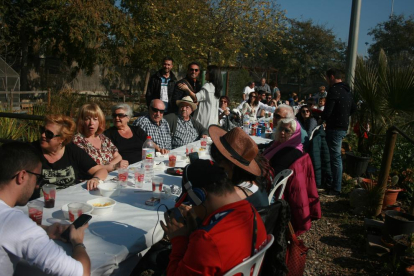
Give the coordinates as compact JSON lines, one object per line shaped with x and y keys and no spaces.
{"x":391,"y":193}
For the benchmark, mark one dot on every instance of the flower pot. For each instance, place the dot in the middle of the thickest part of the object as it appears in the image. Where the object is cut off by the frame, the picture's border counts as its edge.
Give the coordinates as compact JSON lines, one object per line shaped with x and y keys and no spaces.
{"x":397,"y":223}
{"x":390,"y":197}
{"x":355,"y":165}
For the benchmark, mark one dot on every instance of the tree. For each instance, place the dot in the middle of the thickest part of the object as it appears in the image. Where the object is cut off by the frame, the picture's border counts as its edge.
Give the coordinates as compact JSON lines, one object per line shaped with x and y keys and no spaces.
{"x":307,"y":50}
{"x":85,"y":32}
{"x":395,"y":36}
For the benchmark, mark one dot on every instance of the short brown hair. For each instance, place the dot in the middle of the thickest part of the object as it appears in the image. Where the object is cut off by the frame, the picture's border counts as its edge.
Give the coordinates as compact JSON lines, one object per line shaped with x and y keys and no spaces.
{"x":90,"y":110}
{"x":68,"y":126}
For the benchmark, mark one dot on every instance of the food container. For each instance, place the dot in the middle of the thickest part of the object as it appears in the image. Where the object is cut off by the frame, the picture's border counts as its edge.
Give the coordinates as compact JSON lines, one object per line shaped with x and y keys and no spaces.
{"x":87,"y":209}
{"x":102,"y":210}
{"x":109,"y":189}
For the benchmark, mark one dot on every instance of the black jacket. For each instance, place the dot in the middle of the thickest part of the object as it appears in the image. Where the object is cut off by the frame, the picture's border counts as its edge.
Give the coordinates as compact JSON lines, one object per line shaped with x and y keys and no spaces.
{"x":154,"y":87}
{"x":339,"y":106}
{"x":178,"y":94}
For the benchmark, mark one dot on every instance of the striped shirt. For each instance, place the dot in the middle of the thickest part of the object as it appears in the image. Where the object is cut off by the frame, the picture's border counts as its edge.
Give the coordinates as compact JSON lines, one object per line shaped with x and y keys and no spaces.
{"x":184,"y":134}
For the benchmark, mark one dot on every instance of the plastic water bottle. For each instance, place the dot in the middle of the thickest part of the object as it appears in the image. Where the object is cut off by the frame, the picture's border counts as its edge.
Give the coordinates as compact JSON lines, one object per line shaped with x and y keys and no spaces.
{"x":148,"y":155}
{"x":246,"y":123}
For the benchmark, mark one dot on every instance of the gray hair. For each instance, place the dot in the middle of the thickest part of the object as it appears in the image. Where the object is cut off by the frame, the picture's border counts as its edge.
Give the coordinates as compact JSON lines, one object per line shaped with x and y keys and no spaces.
{"x":292,"y":125}
{"x":123,"y":106}
{"x":290,"y":113}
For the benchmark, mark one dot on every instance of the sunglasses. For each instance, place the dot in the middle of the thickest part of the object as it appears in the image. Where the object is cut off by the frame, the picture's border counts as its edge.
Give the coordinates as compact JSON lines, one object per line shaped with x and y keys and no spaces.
{"x":49,"y":135}
{"x":277,"y":116}
{"x":286,"y":130}
{"x":223,"y":101}
{"x":253,"y":96}
{"x":269,"y":98}
{"x":120,"y":115}
{"x":39,"y":177}
{"x":157,"y":110}
{"x":305,"y":111}
{"x":192,"y":69}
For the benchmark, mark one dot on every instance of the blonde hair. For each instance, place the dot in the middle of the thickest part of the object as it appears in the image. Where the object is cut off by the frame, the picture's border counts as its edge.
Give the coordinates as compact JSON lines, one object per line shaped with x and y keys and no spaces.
{"x":91,"y":110}
{"x":67,"y":125}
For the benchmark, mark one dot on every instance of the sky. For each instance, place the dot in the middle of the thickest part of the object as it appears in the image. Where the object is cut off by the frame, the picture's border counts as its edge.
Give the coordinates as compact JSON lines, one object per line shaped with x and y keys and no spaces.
{"x":336,"y":15}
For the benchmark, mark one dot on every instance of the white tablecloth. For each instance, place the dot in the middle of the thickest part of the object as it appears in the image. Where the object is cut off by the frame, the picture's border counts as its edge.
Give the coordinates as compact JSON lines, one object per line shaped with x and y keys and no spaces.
{"x":130,"y":228}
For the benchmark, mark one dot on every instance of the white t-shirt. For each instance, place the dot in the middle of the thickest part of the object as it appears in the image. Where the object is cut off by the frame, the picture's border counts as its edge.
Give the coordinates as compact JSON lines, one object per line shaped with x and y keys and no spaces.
{"x":21,"y":238}
{"x":206,"y":113}
{"x":247,"y":91}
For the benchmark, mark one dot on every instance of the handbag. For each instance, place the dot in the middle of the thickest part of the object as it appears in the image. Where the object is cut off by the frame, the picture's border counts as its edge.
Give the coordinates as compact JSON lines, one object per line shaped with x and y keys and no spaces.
{"x":296,"y":254}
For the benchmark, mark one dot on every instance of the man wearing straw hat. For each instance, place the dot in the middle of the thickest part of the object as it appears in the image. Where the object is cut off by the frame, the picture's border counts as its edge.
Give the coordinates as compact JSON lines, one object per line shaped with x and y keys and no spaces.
{"x":184,"y":129}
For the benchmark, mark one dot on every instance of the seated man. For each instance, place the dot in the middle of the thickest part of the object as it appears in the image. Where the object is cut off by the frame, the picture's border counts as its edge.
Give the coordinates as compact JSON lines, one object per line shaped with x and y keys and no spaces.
{"x":184,"y":129}
{"x":156,"y":126}
{"x":22,"y":238}
{"x":230,"y":229}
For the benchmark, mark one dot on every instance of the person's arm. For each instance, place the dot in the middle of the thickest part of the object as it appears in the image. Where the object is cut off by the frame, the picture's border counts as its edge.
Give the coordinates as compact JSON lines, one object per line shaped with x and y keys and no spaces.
{"x":98,"y":173}
{"x":78,"y":249}
{"x":116,"y":163}
{"x":267,"y":107}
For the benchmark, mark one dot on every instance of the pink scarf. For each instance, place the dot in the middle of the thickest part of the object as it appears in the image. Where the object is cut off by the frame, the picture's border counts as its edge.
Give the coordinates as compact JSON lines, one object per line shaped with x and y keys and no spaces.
{"x":295,"y":141}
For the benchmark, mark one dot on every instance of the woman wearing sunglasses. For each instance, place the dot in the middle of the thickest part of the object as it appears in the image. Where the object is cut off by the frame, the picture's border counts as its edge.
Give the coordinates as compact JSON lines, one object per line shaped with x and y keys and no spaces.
{"x":254,"y":107}
{"x":90,"y":125}
{"x":287,"y":146}
{"x":128,"y":139}
{"x":306,"y":120}
{"x":63,"y":163}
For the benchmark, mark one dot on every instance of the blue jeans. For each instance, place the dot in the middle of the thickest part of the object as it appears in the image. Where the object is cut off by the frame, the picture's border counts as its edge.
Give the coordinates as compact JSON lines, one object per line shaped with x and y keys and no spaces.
{"x":334,"y":141}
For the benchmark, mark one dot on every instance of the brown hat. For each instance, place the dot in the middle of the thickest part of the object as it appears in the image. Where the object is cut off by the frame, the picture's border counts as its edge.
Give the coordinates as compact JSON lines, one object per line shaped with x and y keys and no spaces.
{"x":237,"y":147}
{"x":188,"y":100}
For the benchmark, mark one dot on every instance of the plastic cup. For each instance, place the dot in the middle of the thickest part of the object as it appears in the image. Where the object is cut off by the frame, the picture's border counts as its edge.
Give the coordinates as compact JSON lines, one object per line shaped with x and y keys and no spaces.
{"x":35,"y":211}
{"x":203,"y":143}
{"x":139,"y":174}
{"x":49,"y":193}
{"x":172,"y":159}
{"x":167,"y":191}
{"x":157,"y":182}
{"x":123,"y":176}
{"x":75,"y":210}
{"x":189,"y":149}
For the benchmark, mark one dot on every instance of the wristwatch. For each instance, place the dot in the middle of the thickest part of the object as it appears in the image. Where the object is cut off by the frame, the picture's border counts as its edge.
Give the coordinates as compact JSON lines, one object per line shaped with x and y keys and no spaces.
{"x":79,"y":245}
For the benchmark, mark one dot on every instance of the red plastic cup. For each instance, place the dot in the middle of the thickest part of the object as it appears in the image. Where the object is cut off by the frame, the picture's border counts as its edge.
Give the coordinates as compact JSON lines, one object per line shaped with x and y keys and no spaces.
{"x":36,"y":211}
{"x":49,"y":193}
{"x":172,"y":159}
{"x":157,"y":182}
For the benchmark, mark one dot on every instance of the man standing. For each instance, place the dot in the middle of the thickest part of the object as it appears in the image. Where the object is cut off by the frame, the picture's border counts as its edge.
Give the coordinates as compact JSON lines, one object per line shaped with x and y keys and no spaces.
{"x":263,"y":86}
{"x":339,"y":106}
{"x":191,"y":80}
{"x":22,"y":238}
{"x":248,"y":89}
{"x":161,"y":84}
{"x":185,"y":129}
{"x":156,"y":126}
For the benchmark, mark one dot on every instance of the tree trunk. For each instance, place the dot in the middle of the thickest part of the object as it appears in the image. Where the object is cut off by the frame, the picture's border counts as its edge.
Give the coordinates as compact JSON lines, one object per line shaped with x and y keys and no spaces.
{"x":147,"y":77}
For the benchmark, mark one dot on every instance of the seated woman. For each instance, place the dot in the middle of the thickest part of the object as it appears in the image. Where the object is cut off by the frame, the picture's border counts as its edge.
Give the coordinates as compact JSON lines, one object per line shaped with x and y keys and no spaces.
{"x":287,"y":146}
{"x":63,"y":163}
{"x":226,"y":222}
{"x":128,"y":139}
{"x":91,"y":124}
{"x":238,"y":154}
{"x":306,"y":119}
{"x":224,"y":109}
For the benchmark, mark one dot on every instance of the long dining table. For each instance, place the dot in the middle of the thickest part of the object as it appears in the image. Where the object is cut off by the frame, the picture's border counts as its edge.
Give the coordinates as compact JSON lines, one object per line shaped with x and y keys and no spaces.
{"x":114,"y":242}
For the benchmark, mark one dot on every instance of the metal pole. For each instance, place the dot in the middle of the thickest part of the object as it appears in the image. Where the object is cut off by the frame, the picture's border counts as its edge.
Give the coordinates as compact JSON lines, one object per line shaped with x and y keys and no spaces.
{"x":386,"y":165}
{"x":353,"y":41}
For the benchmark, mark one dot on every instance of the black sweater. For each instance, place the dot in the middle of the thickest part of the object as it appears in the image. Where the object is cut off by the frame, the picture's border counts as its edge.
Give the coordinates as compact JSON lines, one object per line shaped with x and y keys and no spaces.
{"x":339,"y":106}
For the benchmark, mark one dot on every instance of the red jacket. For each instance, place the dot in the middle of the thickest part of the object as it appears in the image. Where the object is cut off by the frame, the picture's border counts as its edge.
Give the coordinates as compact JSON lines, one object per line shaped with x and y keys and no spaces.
{"x":302,"y":195}
{"x":223,"y":241}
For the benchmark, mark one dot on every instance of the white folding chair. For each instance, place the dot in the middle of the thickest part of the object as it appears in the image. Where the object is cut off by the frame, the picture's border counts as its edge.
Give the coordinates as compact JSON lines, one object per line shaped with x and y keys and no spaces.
{"x":256,"y":260}
{"x":283,"y":176}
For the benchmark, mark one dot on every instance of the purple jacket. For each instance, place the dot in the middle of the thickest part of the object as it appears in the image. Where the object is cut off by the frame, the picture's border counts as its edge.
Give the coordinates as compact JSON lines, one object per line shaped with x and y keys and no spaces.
{"x":302,"y":195}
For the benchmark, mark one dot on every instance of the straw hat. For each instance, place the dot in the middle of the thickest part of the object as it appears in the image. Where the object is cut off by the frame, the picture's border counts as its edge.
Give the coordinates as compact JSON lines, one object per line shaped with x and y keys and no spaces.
{"x":237,"y":147}
{"x":187,"y":99}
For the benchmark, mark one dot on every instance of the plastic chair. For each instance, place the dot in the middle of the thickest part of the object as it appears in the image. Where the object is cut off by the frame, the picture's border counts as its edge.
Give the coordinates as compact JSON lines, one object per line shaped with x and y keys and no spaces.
{"x":256,"y":261}
{"x":282,"y":184}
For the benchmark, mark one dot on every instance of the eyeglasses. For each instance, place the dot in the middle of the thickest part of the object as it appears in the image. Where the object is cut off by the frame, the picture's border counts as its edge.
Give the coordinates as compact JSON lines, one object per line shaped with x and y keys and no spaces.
{"x":157,"y":110}
{"x":277,"y":116}
{"x":39,"y":177}
{"x":305,"y":111}
{"x":193,"y":69}
{"x":120,"y":115}
{"x":49,"y":134}
{"x":253,"y":96}
{"x":286,"y":130}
